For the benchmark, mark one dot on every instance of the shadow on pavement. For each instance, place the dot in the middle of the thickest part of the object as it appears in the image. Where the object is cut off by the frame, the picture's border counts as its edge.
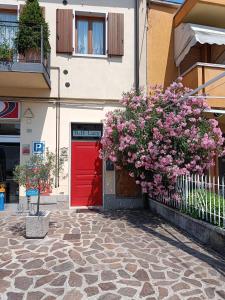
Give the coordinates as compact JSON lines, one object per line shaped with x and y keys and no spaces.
{"x":154,"y":225}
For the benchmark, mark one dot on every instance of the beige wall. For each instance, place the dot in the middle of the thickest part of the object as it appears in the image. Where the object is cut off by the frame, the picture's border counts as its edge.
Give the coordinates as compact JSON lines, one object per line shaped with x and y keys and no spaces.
{"x":42,"y":127}
{"x":91,"y":77}
{"x":160,"y":66}
{"x":96,"y":83}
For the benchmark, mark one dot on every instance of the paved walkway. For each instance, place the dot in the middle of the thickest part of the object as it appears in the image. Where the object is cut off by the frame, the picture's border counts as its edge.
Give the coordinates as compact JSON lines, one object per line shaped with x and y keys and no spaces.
{"x":118,"y":255}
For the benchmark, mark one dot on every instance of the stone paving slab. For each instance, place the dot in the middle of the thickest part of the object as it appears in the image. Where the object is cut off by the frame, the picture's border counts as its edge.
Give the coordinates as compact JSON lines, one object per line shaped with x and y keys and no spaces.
{"x":106,"y":256}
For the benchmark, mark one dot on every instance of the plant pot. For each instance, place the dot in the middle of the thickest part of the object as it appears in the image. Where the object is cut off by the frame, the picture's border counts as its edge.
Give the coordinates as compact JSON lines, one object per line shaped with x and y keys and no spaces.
{"x":37,"y":226}
{"x":33,"y":56}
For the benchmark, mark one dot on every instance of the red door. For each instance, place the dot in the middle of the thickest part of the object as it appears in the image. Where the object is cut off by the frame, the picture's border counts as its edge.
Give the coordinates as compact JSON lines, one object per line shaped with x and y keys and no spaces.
{"x":86,"y":174}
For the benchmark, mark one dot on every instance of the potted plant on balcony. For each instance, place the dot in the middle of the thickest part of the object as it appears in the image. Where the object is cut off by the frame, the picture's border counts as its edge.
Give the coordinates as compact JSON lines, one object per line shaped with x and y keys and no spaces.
{"x":38,"y":174}
{"x":33,"y":33}
{"x":6,"y":52}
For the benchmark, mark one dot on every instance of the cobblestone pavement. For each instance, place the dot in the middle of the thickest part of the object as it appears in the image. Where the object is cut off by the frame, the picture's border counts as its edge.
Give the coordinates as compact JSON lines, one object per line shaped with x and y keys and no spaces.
{"x":97,"y":255}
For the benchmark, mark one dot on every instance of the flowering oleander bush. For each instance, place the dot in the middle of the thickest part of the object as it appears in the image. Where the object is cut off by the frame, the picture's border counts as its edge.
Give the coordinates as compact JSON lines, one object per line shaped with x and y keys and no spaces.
{"x":159,"y":137}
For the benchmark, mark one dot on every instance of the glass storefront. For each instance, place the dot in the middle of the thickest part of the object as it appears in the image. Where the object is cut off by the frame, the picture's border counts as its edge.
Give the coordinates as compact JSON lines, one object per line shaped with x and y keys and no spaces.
{"x":9,"y":158}
{"x":9,"y":129}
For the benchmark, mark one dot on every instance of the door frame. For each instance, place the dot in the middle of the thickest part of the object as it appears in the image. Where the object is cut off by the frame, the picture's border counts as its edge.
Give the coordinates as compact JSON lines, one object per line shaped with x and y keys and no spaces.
{"x":70,"y":161}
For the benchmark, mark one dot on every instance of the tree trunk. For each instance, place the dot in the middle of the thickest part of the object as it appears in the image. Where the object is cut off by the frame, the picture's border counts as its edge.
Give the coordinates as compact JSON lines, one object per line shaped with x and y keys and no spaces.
{"x":145,"y":201}
{"x":38,"y":202}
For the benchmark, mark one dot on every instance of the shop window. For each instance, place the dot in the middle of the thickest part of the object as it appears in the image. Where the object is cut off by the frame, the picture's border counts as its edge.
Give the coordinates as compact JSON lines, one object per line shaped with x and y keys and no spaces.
{"x":9,"y":129}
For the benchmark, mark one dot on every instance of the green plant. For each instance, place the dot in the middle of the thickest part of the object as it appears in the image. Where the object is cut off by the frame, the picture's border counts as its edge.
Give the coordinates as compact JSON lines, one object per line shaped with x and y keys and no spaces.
{"x":203,"y":204}
{"x":39,"y":171}
{"x":6,"y":53}
{"x":29,"y":34}
{"x":160,"y":136}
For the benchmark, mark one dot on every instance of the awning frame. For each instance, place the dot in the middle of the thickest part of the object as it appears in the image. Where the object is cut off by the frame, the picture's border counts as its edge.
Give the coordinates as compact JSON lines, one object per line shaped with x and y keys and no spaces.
{"x":187,"y":35}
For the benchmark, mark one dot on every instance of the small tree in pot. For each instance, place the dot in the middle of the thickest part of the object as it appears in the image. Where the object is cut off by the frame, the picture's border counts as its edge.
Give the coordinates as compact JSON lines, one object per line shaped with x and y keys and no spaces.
{"x":38,"y":173}
{"x":28,"y":38}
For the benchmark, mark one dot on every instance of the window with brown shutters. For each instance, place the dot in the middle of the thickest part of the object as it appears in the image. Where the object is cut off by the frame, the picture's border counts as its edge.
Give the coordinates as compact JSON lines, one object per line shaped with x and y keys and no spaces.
{"x":115,"y":34}
{"x":64,"y":31}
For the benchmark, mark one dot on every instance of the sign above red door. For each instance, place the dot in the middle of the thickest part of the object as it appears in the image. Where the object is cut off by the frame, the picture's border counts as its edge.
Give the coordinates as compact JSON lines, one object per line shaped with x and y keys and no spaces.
{"x":9,"y":110}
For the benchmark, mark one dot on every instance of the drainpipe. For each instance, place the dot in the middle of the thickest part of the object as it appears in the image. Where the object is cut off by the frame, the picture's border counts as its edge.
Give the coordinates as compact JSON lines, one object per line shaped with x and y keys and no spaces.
{"x":136,"y":22}
{"x":57,"y":137}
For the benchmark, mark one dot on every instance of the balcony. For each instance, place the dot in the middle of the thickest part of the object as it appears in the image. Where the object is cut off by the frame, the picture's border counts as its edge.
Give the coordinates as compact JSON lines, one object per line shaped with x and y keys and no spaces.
{"x":204,"y":12}
{"x":28,"y":70}
{"x":199,"y":74}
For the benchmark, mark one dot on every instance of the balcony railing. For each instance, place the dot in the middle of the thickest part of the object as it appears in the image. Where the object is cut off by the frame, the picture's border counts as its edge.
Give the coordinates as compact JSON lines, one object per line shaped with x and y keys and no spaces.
{"x":201,"y":73}
{"x":10,"y":50}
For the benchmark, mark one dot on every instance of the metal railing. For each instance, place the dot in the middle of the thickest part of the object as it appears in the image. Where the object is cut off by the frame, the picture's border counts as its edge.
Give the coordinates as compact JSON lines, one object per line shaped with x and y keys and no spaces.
{"x":202,"y":197}
{"x":10,"y":45}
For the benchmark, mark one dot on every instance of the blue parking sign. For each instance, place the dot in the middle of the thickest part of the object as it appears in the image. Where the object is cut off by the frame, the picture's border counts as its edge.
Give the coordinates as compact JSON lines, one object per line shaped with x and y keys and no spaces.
{"x":38,"y":147}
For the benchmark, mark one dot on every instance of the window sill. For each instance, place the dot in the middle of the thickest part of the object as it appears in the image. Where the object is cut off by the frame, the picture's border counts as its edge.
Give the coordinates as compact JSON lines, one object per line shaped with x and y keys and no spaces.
{"x":90,"y":56}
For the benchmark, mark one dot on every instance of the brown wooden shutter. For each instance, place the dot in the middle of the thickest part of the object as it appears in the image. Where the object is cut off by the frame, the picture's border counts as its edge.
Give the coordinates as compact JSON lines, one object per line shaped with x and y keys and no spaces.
{"x":115,"y":34}
{"x":64,"y":31}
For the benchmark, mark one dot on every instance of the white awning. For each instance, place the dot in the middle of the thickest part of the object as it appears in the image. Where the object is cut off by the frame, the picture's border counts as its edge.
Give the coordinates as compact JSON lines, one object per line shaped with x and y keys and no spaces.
{"x":187,"y":35}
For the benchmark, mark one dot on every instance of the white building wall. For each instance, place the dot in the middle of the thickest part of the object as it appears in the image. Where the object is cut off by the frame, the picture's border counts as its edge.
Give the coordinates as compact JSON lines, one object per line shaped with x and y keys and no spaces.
{"x":42,"y":127}
{"x":94,"y":82}
{"x":92,"y":77}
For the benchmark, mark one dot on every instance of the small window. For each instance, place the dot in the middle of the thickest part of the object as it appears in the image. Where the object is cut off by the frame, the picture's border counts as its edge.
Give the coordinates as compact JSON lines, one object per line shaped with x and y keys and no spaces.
{"x":8,"y":27}
{"x":7,"y":16}
{"x":90,"y":35}
{"x":86,"y":131}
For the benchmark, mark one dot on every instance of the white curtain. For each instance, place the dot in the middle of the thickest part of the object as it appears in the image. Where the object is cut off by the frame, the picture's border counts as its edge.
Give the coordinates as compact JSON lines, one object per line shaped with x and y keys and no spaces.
{"x":8,"y":28}
{"x":82,"y":32}
{"x":97,"y":38}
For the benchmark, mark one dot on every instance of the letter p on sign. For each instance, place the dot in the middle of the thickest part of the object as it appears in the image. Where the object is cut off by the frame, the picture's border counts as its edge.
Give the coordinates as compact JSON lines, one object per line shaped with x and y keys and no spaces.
{"x":38,"y":147}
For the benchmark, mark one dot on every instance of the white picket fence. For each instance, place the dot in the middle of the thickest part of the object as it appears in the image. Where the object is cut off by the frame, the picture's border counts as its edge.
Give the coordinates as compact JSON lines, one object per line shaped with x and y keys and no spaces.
{"x":202,"y":197}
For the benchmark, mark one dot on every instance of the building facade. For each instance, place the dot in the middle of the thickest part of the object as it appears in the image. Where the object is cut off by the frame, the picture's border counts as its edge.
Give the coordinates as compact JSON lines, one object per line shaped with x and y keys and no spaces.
{"x":98,"y":51}
{"x":190,"y":42}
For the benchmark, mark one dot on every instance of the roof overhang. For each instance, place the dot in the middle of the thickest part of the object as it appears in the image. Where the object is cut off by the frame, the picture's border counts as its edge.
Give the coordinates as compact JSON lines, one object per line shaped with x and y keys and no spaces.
{"x":164,"y":3}
{"x":187,"y":35}
{"x":205,"y":12}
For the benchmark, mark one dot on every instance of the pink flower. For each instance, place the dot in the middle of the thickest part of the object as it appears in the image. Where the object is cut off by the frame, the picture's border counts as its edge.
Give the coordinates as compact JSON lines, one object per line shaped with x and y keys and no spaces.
{"x":160,"y":137}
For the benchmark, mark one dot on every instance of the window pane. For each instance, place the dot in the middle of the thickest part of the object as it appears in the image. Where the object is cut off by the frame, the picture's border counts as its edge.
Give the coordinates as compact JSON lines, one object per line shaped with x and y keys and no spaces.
{"x":98,"y":37}
{"x":8,"y":17}
{"x":9,"y":129}
{"x":82,"y":38}
{"x":8,"y":28}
